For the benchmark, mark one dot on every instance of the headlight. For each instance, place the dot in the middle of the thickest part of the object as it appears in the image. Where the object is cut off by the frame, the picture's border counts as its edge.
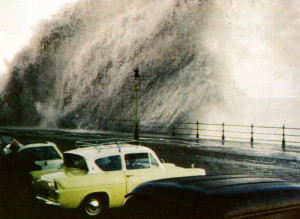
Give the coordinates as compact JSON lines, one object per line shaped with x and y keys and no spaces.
{"x":55,"y":184}
{"x":52,"y":184}
{"x":53,"y":191}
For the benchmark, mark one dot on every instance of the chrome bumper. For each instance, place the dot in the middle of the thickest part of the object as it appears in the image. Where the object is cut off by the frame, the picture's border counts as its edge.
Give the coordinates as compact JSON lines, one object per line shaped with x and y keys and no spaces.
{"x":48,"y":202}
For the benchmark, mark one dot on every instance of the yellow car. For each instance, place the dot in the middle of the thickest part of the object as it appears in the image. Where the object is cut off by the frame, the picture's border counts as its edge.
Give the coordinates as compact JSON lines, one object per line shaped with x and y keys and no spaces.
{"x":98,"y":177}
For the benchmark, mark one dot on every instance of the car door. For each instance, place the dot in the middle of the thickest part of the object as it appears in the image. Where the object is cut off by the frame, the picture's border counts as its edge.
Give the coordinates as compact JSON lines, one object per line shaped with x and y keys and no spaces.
{"x":112,"y":178}
{"x":141,"y":167}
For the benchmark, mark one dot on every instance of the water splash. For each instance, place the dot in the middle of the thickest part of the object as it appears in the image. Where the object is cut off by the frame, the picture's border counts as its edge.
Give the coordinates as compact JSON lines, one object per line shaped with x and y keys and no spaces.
{"x":76,"y":71}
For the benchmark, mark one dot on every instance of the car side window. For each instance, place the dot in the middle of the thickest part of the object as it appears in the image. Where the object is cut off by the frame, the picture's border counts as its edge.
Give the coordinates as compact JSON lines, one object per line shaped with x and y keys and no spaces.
{"x":111,"y":163}
{"x":137,"y":161}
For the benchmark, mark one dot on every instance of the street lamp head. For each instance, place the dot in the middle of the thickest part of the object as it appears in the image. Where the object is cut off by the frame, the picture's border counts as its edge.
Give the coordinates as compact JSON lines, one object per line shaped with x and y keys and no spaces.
{"x":136,"y":73}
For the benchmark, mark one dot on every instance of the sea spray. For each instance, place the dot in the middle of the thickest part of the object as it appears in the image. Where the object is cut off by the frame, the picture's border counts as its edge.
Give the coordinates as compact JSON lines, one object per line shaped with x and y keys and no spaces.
{"x":77,"y":70}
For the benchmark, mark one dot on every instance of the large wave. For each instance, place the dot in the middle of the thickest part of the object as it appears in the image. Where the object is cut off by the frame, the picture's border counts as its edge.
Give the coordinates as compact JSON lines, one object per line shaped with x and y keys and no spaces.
{"x":77,"y":70}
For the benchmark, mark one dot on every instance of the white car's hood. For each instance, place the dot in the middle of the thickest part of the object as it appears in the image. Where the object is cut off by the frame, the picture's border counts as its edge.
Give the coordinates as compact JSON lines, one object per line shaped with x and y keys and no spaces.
{"x":50,"y":164}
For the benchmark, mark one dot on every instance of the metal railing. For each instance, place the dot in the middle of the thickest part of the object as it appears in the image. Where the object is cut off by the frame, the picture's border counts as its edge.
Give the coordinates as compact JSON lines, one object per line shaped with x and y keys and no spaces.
{"x":252,"y":134}
{"x":223,"y":132}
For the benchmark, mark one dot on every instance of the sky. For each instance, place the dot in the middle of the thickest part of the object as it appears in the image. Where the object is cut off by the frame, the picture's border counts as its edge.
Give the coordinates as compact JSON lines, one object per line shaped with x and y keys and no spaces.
{"x":262,"y":40}
{"x":259,"y":40}
{"x":18,"y":19}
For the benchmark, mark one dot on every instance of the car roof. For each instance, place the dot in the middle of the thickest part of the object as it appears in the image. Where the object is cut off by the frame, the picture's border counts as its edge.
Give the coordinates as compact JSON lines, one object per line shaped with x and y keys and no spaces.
{"x":39,"y":144}
{"x":108,"y":150}
{"x":227,"y":195}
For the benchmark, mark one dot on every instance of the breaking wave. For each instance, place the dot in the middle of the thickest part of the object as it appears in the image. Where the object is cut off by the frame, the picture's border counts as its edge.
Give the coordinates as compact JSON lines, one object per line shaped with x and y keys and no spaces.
{"x":77,"y":69}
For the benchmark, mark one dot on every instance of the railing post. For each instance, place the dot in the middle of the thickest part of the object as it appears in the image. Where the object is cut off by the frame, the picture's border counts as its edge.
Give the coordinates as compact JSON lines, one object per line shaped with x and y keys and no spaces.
{"x":252,"y":139}
{"x":283,"y":139}
{"x":223,"y":133}
{"x":197,"y":134}
{"x":173,"y":130}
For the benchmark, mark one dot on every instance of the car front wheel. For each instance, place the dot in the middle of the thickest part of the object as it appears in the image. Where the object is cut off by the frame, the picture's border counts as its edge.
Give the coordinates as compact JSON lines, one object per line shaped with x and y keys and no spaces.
{"x":94,"y":205}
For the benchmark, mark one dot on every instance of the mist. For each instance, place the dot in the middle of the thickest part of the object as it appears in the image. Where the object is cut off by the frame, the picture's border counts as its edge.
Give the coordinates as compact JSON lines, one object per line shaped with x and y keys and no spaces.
{"x":199,"y":60}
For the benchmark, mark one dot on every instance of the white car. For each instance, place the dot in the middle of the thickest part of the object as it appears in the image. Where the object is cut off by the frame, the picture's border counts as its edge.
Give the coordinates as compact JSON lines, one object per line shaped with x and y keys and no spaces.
{"x":47,"y":153}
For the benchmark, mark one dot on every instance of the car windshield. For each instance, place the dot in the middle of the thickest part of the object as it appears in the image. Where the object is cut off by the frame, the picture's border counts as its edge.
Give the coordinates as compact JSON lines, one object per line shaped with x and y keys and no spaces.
{"x":75,"y":161}
{"x":111,"y":163}
{"x":43,"y":153}
{"x":154,"y":161}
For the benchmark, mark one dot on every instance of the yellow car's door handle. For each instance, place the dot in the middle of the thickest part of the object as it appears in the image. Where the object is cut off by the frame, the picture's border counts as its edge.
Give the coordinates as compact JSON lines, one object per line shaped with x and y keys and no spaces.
{"x":129,"y":175}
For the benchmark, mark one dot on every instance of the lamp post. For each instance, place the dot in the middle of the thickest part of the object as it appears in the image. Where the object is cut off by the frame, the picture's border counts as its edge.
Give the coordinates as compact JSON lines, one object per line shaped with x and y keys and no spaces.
{"x":136,"y":77}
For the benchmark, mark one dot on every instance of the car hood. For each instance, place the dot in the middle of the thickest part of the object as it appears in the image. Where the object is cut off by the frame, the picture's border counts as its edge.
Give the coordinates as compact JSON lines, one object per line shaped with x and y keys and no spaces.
{"x":50,"y":164}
